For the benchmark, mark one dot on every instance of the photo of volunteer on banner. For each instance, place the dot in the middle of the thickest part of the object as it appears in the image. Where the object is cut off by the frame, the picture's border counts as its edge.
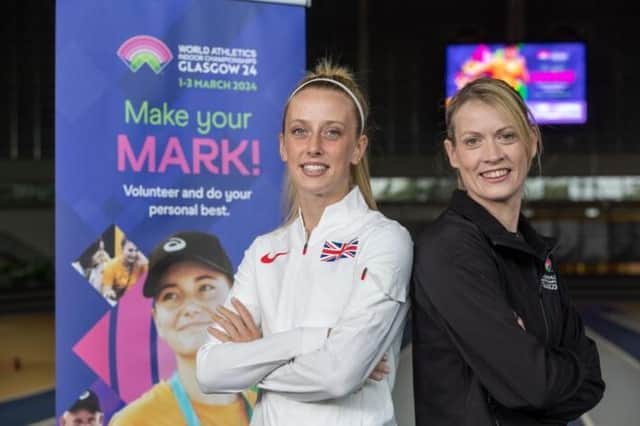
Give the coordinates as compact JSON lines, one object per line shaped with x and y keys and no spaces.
{"x":85,"y":411}
{"x":190,"y":276}
{"x":112,"y":264}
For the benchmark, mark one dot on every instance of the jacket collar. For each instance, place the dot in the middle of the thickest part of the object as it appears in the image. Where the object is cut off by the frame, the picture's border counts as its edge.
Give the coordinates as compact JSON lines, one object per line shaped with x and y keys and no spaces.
{"x":345,"y":211}
{"x":531,"y":242}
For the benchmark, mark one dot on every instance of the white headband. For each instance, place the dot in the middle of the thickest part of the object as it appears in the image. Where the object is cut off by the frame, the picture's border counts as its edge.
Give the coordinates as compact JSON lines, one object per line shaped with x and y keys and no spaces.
{"x":340,"y":85}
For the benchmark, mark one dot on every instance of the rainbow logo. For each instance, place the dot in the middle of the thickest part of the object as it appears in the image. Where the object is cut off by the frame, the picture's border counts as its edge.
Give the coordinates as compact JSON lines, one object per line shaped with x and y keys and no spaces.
{"x":547,"y":265}
{"x":144,"y":49}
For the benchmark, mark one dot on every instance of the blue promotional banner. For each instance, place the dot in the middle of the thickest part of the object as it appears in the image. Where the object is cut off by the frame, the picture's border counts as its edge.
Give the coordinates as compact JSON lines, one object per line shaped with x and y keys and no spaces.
{"x":167,"y":167}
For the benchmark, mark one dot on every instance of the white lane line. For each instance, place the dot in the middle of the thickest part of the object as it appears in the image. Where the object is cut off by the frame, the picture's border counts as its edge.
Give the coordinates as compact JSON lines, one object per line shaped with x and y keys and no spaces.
{"x":615,"y":349}
{"x":623,"y":321}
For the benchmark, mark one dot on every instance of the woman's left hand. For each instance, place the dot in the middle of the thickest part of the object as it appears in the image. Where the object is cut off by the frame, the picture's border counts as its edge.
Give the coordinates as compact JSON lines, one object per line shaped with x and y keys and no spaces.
{"x":239,"y":327}
{"x":381,"y":369}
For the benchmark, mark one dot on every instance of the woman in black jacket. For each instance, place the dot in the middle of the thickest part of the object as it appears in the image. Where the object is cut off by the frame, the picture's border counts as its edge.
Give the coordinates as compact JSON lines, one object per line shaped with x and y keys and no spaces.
{"x":496,"y":340}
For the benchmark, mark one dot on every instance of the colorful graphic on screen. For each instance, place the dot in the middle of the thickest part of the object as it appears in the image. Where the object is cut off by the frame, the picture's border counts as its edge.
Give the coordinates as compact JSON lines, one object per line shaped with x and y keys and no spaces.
{"x":550,"y":77}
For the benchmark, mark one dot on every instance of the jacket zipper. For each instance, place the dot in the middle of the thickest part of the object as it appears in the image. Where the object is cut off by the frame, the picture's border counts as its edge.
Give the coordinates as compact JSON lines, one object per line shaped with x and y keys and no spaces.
{"x":544,"y":313}
{"x":307,"y":235}
{"x":544,"y":316}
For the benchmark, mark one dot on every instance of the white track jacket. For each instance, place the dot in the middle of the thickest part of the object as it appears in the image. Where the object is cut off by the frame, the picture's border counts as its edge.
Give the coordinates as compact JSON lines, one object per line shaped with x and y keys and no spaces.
{"x":329,"y":307}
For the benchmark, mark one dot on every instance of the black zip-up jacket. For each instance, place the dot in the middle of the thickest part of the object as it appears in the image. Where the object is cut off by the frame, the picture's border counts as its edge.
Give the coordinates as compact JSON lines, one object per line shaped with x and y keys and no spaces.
{"x":472,"y":363}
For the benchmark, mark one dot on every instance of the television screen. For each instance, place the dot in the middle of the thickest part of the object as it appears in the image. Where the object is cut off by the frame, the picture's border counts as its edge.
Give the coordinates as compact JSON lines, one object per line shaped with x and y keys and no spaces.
{"x":549,"y":76}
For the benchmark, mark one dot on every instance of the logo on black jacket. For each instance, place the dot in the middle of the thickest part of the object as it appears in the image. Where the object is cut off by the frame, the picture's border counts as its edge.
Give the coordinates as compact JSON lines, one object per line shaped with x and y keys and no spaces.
{"x":549,"y":281}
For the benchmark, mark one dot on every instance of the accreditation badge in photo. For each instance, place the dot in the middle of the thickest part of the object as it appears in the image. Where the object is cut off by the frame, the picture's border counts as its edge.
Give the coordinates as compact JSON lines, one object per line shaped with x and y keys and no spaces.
{"x":167,"y":165}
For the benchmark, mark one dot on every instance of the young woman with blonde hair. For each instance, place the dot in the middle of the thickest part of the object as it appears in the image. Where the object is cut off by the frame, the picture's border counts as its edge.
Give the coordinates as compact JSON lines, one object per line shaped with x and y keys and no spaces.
{"x":316,"y":314}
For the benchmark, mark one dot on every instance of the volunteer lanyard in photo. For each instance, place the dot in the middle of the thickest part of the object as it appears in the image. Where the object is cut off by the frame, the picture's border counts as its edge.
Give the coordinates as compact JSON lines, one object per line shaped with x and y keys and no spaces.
{"x":185,"y":403}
